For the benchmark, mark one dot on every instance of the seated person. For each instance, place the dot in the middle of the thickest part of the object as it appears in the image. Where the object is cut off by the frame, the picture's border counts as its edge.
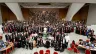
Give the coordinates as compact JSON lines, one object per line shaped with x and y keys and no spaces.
{"x":87,"y":46}
{"x":81,"y":41}
{"x":92,"y":39}
{"x":2,"y":43}
{"x":87,"y":43}
{"x":92,"y":45}
{"x":73,"y":42}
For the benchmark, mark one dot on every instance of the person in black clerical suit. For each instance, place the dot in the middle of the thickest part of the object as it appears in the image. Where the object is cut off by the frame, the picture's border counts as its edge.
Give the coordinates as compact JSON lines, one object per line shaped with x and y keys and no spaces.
{"x":31,"y":45}
{"x":38,"y":42}
{"x":76,"y":30}
{"x":57,"y":48}
{"x":61,"y":47}
{"x":19,"y":42}
{"x":3,"y":24}
{"x":57,"y":36}
{"x":7,"y":37}
{"x":52,"y":43}
{"x":23,"y":38}
{"x":41,"y":41}
{"x":81,"y":31}
{"x":11,"y":38}
{"x":29,"y":32}
{"x":27,"y":43}
{"x":3,"y":29}
{"x":68,"y":29}
{"x":92,"y":39}
{"x":47,"y":44}
{"x":85,"y":30}
{"x":42,"y":29}
{"x":16,"y":40}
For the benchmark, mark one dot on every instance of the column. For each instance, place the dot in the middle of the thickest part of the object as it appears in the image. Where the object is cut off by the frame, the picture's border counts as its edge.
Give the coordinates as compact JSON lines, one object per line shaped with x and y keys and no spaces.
{"x":73,"y":9}
{"x":91,"y":19}
{"x":15,"y":8}
{"x":0,"y":16}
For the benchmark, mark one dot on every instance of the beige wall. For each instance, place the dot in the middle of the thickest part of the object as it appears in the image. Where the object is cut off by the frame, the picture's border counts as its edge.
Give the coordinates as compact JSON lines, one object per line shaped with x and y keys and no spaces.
{"x":91,"y":20}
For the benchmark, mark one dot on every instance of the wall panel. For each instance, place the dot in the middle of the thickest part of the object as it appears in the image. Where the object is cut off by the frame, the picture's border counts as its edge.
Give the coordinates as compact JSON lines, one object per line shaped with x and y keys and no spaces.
{"x":81,"y":15}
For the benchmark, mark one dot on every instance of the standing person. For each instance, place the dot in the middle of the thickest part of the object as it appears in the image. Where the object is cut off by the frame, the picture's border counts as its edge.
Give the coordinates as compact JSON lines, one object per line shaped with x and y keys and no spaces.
{"x":7,"y":37}
{"x":87,"y":33}
{"x":67,"y":39}
{"x":19,"y":42}
{"x":38,"y":41}
{"x":47,"y":44}
{"x":23,"y":40}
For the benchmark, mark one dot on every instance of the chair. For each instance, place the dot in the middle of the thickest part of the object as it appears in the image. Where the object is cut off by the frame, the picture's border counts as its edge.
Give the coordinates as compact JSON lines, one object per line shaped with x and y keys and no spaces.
{"x":87,"y":51}
{"x":55,"y":53}
{"x":72,"y":47}
{"x":76,"y":45}
{"x":76,"y":50}
{"x":41,"y":52}
{"x":48,"y":51}
{"x":35,"y":52}
{"x":12,"y":48}
{"x":8,"y":51}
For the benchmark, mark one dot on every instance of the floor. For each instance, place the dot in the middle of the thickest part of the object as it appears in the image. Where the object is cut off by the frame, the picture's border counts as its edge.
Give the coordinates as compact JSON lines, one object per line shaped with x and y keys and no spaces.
{"x":73,"y":36}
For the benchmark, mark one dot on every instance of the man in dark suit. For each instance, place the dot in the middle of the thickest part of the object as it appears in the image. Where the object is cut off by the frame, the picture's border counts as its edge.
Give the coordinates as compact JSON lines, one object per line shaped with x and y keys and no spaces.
{"x":23,"y":38}
{"x":7,"y":37}
{"x":52,"y":43}
{"x":57,"y":48}
{"x":19,"y":42}
{"x":61,"y":47}
{"x":31,"y":45}
{"x":27,"y":43}
{"x":16,"y":40}
{"x":47,"y":44}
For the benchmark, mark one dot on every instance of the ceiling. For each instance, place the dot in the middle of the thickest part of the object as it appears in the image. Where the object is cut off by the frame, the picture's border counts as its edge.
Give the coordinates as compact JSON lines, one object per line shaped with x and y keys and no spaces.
{"x":62,"y":1}
{"x":44,"y":5}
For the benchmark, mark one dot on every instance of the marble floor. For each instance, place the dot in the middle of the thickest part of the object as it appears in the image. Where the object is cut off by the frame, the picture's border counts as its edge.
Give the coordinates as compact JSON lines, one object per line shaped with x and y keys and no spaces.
{"x":73,"y":36}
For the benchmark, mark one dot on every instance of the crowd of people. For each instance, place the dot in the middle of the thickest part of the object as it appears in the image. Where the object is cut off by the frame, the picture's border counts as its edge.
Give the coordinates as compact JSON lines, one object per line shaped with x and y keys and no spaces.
{"x":88,"y":44}
{"x":26,"y":35}
{"x":83,"y":30}
{"x":46,"y":15}
{"x":26,"y":26}
{"x":29,"y":34}
{"x":33,"y":39}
